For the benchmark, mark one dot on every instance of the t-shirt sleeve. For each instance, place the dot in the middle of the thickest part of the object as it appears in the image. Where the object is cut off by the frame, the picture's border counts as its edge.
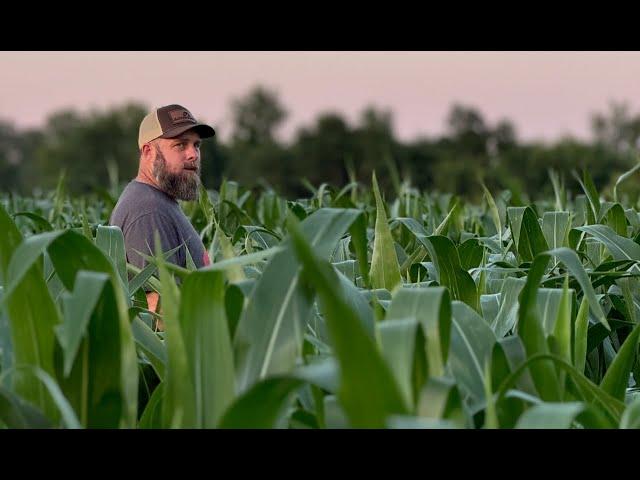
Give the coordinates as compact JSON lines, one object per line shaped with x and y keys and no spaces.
{"x":139,"y":237}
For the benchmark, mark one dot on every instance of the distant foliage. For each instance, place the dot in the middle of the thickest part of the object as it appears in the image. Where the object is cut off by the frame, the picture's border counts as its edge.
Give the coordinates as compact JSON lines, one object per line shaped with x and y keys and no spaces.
{"x":94,"y":146}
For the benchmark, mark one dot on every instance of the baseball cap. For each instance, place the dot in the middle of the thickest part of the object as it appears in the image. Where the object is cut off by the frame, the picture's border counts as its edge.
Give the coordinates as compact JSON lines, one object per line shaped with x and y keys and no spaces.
{"x":168,"y":122}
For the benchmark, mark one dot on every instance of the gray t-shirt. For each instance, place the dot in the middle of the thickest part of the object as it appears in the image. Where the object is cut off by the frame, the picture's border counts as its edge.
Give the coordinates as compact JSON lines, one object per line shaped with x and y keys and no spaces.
{"x":143,"y":209}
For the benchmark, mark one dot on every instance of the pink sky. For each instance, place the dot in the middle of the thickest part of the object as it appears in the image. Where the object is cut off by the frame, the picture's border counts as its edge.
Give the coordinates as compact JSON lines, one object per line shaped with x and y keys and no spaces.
{"x":545,"y":94}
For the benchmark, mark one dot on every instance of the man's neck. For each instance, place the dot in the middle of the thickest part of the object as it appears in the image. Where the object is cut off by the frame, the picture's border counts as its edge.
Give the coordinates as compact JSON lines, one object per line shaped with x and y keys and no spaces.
{"x":148,"y":179}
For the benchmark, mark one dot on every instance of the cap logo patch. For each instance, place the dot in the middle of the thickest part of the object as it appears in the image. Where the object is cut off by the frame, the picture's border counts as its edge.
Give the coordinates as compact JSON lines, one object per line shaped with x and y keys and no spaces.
{"x":181,"y":116}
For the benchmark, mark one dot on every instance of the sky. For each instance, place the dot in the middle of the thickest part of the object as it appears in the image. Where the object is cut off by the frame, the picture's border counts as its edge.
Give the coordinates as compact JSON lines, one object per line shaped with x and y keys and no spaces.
{"x":547,"y":95}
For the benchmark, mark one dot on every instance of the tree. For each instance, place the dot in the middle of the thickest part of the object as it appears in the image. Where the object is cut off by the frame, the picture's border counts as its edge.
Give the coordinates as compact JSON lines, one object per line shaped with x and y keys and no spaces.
{"x":321,"y":151}
{"x":10,"y":156}
{"x":255,"y":156}
{"x":618,"y":130}
{"x":257,"y":116}
{"x":463,"y":120}
{"x":468,"y":130}
{"x":215,"y":162}
{"x":504,"y":134}
{"x":375,"y":146}
{"x":85,"y":144}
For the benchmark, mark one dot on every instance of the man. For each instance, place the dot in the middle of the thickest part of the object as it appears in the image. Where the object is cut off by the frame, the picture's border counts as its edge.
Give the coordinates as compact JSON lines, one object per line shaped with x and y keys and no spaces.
{"x":169,"y":141}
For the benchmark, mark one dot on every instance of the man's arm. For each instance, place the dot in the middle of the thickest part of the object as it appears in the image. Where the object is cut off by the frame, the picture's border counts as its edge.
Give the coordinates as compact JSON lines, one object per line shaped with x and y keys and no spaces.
{"x":139,"y":237}
{"x":152,"y":302}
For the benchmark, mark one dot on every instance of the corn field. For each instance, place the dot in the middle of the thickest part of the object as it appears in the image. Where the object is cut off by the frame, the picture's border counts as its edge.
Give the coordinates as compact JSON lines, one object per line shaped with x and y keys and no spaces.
{"x":341,"y":310}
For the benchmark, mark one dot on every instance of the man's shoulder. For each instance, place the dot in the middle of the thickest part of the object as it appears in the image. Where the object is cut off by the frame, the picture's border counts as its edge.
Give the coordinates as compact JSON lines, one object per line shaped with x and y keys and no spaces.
{"x":140,"y":191}
{"x":139,"y":200}
{"x":137,"y":195}
{"x":155,"y":216}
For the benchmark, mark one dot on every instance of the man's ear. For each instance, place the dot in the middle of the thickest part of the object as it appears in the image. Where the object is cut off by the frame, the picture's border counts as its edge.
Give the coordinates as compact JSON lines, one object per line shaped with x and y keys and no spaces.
{"x":147,"y":150}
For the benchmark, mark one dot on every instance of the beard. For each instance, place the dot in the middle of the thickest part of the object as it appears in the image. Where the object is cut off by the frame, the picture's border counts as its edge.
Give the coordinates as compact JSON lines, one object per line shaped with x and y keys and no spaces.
{"x":182,"y":185}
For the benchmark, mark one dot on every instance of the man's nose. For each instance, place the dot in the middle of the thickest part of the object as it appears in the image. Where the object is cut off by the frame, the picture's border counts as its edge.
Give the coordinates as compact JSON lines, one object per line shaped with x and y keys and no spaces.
{"x":192,"y":152}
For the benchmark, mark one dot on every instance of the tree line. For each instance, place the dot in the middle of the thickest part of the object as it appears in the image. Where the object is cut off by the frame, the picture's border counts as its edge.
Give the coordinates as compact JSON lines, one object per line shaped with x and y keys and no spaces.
{"x":99,"y":148}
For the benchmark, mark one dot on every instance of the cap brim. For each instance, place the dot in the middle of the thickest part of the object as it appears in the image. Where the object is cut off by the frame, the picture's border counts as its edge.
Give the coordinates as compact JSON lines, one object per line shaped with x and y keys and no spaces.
{"x":205,"y":131}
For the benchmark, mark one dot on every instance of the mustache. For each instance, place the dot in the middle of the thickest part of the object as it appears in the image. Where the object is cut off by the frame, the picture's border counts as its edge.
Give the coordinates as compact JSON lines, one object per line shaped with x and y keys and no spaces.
{"x":192,"y":166}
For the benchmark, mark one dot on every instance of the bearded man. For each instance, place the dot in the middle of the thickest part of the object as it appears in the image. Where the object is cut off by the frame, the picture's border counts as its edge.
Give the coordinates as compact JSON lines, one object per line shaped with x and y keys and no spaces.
{"x":169,"y":141}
